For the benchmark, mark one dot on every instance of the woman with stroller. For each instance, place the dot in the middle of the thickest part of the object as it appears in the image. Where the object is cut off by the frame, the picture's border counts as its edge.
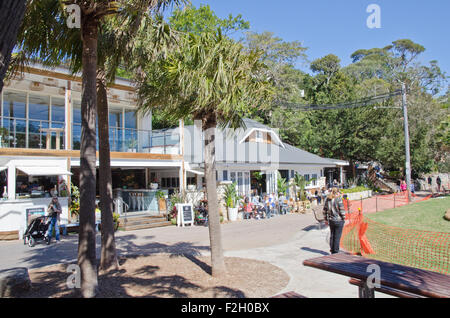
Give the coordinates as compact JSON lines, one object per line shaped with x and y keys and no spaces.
{"x":54,"y":210}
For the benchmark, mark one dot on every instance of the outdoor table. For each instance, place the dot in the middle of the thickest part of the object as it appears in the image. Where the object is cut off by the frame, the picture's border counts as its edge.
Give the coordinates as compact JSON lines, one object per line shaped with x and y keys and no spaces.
{"x":49,"y":131}
{"x":402,"y":278}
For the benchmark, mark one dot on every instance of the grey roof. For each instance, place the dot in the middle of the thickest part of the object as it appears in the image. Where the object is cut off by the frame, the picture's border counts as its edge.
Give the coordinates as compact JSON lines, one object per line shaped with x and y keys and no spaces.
{"x":230,"y":148}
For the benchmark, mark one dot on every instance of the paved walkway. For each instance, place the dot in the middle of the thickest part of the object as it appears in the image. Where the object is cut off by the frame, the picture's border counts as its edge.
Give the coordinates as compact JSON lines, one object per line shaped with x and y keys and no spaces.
{"x":284,"y":241}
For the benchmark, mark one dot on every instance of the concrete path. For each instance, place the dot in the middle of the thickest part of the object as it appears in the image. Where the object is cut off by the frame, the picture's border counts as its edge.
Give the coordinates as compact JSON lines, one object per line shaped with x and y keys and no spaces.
{"x":284,"y":241}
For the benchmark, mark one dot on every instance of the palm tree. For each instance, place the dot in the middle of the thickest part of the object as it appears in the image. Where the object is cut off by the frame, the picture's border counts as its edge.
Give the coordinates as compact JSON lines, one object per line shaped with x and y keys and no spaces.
{"x":11,"y":15}
{"x":213,"y":79}
{"x":53,"y":42}
{"x":300,"y":182}
{"x":282,"y":184}
{"x":117,"y":42}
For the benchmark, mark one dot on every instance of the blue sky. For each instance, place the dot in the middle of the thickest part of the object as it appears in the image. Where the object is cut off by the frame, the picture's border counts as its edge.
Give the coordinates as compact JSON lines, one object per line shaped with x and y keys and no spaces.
{"x":339,"y":26}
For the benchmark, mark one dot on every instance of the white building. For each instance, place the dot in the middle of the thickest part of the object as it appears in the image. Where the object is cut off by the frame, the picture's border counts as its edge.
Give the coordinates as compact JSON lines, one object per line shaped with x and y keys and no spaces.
{"x":40,"y":131}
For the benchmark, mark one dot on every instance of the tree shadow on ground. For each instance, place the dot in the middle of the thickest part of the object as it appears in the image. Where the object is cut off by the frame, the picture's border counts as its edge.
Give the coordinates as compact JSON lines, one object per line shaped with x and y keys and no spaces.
{"x":313,"y":250}
{"x":140,"y":282}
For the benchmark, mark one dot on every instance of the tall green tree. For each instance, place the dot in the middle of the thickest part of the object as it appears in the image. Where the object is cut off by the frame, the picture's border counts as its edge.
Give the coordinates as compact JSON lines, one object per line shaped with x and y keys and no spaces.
{"x":213,"y":79}
{"x":53,"y":43}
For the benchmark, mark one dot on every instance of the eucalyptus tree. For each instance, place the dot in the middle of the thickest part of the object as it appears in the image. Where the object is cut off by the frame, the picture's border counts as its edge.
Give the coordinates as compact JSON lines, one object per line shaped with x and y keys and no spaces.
{"x":215,"y":80}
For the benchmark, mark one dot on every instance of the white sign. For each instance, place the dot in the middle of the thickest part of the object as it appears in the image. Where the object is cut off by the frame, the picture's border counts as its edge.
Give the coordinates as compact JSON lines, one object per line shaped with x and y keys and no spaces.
{"x":185,"y":214}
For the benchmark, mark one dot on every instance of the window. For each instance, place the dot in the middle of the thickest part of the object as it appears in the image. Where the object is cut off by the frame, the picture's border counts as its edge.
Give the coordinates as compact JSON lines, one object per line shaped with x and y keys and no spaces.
{"x":314,"y":177}
{"x":115,"y":116}
{"x":233,"y":176}
{"x":259,"y":136}
{"x":38,"y":108}
{"x":191,"y":181}
{"x":130,"y":119}
{"x":76,"y":125}
{"x":58,"y":112}
{"x":14,"y":104}
{"x":225,"y":175}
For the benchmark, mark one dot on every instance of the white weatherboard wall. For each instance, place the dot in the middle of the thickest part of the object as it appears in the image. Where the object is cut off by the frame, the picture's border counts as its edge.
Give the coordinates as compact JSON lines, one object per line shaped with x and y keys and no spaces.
{"x":13,"y":213}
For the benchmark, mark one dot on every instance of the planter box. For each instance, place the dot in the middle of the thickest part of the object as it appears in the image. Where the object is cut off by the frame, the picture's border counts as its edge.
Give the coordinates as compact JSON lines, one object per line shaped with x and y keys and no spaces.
{"x":233,"y":214}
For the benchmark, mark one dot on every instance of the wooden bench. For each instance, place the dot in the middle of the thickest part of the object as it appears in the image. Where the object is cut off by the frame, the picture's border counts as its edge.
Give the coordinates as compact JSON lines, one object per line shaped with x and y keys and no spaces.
{"x":290,"y":294}
{"x":392,"y":277}
{"x":383,"y":289}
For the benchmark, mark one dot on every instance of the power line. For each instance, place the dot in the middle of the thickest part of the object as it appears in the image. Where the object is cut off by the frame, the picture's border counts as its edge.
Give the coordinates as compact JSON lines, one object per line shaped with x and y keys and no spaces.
{"x":354,"y":104}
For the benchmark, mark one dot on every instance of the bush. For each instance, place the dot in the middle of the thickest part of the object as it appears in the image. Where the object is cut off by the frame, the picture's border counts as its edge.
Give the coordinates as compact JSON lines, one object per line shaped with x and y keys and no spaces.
{"x":354,"y":190}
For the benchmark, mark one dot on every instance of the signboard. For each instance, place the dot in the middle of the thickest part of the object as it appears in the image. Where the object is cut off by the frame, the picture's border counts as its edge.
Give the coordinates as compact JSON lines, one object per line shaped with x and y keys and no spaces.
{"x":34,"y":212}
{"x":185,"y":214}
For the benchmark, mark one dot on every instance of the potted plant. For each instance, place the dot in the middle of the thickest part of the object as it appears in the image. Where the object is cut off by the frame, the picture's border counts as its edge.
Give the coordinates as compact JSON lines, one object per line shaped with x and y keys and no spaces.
{"x":74,"y":202}
{"x":299,"y":182}
{"x":231,"y":198}
{"x":116,"y":220}
{"x":162,"y":206}
{"x":154,"y":184}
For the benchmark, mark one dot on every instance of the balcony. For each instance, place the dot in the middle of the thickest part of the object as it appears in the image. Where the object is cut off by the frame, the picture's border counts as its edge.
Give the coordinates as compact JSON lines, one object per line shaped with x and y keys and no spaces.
{"x":41,"y":134}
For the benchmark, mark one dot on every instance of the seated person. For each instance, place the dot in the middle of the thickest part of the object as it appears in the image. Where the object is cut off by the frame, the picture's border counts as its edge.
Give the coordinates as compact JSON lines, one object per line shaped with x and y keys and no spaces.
{"x":23,"y":188}
{"x":283,"y":203}
{"x":248,"y":209}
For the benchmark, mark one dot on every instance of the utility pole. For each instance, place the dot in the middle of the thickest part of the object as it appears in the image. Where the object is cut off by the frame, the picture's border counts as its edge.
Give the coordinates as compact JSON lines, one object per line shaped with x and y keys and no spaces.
{"x":407,"y":149}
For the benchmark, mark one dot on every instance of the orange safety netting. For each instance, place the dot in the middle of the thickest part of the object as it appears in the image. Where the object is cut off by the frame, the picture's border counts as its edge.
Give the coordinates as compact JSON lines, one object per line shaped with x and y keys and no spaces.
{"x":420,"y":249}
{"x":382,"y":202}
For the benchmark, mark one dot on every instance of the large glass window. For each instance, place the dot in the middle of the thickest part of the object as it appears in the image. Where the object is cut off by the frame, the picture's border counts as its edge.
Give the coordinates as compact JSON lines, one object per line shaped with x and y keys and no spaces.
{"x":38,"y":113}
{"x":130,"y":119}
{"x":76,"y":125}
{"x":14,"y":119}
{"x":14,"y":104}
{"x":58,"y":111}
{"x":39,"y":107}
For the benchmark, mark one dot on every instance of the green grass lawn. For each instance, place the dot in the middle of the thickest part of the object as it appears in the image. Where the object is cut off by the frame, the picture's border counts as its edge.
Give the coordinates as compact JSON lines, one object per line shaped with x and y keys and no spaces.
{"x":425,"y":216}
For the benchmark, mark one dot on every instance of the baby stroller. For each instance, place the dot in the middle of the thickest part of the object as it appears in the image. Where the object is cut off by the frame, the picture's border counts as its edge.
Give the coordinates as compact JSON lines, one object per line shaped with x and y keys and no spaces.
{"x":37,"y":230}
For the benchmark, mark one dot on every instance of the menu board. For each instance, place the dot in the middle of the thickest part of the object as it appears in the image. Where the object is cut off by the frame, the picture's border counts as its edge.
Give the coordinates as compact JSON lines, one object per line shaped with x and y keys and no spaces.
{"x":34,"y":212}
{"x":185,"y":214}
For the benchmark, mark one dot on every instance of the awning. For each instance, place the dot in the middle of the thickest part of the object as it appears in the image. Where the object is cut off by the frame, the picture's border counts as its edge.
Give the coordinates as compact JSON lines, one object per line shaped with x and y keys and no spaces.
{"x":200,"y":173}
{"x":44,"y":171}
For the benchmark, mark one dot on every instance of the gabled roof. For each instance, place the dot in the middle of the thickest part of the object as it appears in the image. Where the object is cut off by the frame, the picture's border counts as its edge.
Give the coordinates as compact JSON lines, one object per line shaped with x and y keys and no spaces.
{"x":231,"y":148}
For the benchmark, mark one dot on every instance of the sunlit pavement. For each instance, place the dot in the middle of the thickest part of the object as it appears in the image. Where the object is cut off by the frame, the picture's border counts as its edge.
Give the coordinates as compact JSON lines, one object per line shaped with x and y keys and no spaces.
{"x":284,"y":241}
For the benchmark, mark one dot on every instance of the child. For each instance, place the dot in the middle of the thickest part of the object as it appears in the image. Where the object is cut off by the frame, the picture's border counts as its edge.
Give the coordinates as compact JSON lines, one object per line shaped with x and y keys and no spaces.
{"x":248,"y":209}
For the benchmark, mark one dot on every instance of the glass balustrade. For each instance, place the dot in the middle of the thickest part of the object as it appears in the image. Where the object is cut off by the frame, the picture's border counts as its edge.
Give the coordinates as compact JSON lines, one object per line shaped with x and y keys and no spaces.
{"x":136,"y":140}
{"x":31,"y":133}
{"x":41,"y":134}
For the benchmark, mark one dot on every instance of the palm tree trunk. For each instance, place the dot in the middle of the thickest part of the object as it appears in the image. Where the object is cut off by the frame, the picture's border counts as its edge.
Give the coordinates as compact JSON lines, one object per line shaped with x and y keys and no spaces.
{"x":11,"y":15}
{"x":215,"y":235}
{"x":86,"y":242}
{"x":108,"y":259}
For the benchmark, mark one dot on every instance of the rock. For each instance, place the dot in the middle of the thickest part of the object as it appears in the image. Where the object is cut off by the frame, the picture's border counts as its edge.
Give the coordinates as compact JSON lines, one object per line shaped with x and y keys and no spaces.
{"x":14,"y":282}
{"x":447,"y":215}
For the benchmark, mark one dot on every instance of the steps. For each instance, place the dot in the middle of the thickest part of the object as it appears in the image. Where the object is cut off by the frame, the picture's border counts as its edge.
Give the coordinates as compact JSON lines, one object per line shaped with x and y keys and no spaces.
{"x":141,"y":222}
